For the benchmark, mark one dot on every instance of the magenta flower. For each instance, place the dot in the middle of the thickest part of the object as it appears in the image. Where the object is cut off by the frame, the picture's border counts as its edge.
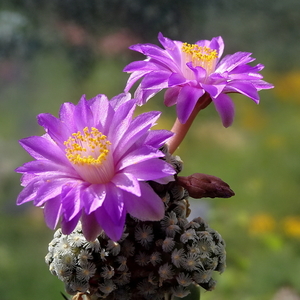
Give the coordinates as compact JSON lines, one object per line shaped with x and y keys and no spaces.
{"x":93,"y":163}
{"x":189,"y":71}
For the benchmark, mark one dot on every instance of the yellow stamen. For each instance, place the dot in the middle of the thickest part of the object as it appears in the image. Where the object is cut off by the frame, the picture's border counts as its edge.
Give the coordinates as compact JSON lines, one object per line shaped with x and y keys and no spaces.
{"x":199,"y":53}
{"x":199,"y":57}
{"x":89,"y":148}
{"x":89,"y":153}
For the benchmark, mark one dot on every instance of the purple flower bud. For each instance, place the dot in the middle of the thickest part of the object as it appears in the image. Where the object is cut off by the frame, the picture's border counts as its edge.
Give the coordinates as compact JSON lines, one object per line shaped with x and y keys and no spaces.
{"x":202,"y":185}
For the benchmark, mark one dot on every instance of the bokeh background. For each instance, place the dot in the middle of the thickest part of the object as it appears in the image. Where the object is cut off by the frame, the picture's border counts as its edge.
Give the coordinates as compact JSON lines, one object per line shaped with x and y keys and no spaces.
{"x":55,"y":51}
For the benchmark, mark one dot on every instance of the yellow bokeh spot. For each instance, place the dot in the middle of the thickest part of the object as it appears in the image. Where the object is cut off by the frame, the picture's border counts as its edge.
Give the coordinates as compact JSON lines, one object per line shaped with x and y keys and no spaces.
{"x":261,"y":224}
{"x":276,"y":141}
{"x":287,"y":87}
{"x":250,"y":116}
{"x":291,"y":226}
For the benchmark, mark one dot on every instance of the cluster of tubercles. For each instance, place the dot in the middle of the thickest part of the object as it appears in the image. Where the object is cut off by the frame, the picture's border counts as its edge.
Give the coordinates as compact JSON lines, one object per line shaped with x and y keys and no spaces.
{"x":151,"y":259}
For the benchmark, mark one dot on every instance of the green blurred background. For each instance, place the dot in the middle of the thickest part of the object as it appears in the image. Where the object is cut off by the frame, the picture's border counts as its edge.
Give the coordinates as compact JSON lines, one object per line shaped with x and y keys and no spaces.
{"x":55,"y":51}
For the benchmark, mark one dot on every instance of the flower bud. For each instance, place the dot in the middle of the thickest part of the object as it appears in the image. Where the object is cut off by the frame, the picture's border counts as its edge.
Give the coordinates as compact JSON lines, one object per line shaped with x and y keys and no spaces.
{"x":202,"y":185}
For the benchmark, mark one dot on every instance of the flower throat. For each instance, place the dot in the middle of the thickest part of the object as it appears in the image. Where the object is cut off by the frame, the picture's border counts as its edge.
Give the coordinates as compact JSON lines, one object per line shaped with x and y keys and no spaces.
{"x":89,"y":153}
{"x":199,"y":57}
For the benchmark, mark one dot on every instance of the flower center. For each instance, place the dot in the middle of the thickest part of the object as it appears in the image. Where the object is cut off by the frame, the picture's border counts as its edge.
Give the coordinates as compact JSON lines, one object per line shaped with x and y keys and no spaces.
{"x":199,"y":57}
{"x":89,"y":153}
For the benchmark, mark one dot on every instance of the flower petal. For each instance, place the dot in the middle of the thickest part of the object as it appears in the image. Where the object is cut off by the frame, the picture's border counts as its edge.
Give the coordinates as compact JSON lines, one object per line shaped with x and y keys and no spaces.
{"x":128,"y":183}
{"x":102,"y":112}
{"x":94,"y":197}
{"x":157,"y":54}
{"x":245,"y":88}
{"x":112,"y":229}
{"x":176,"y":79}
{"x":56,"y":129}
{"x":225,"y":108}
{"x":40,"y":148}
{"x":83,"y":116}
{"x":90,"y":227}
{"x":171,"y":96}
{"x":49,"y":189}
{"x":141,"y":65}
{"x":111,"y":215}
{"x":150,"y":170}
{"x":72,"y":200}
{"x":121,"y":121}
{"x":217,"y":43}
{"x":47,"y":167}
{"x":229,"y":62}
{"x":27,"y":178}
{"x":156,"y":80}
{"x":133,"y":78}
{"x":52,"y":212}
{"x":246,"y":72}
{"x":113,"y":203}
{"x":29,"y":192}
{"x":138,"y":155}
{"x":66,"y":113}
{"x":172,"y":47}
{"x":118,"y":100}
{"x":200,"y":72}
{"x":67,"y":226}
{"x":139,"y":127}
{"x":146,"y":48}
{"x":148,"y":207}
{"x":186,"y":101}
{"x":261,"y":84}
{"x":214,"y":90}
{"x":157,"y":138}
{"x":143,"y":95}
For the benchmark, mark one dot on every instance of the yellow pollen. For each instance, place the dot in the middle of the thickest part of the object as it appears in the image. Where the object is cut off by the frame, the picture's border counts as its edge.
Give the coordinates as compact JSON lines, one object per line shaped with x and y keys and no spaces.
{"x":199,"y":53}
{"x":89,"y":147}
{"x":199,"y":57}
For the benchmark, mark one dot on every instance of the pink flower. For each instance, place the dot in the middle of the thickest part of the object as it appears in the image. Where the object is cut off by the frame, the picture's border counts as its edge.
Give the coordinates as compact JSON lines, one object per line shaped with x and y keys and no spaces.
{"x":92,"y":165}
{"x":188,"y":71}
